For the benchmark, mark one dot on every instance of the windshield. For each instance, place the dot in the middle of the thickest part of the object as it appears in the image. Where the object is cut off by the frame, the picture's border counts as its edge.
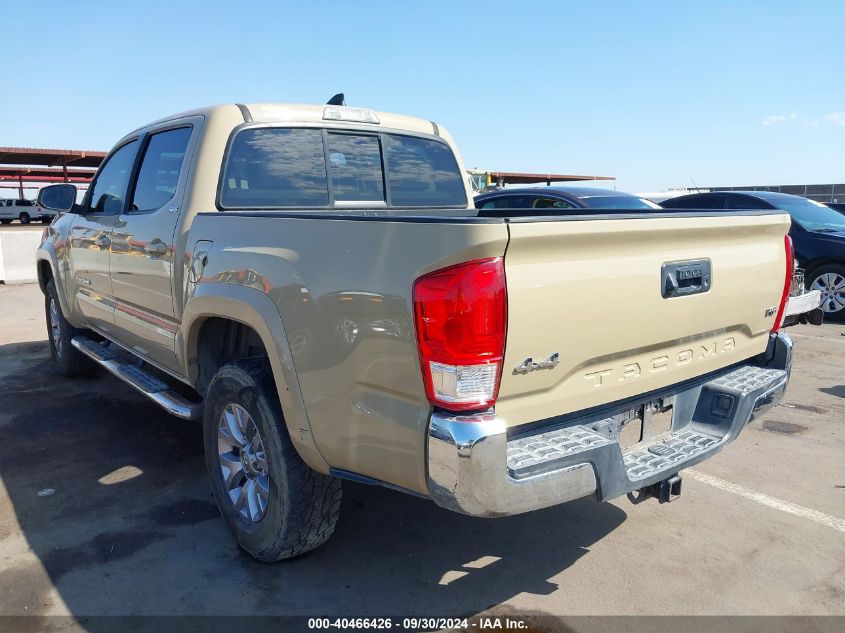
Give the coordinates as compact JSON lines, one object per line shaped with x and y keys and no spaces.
{"x":619,"y":202}
{"x":813,"y":216}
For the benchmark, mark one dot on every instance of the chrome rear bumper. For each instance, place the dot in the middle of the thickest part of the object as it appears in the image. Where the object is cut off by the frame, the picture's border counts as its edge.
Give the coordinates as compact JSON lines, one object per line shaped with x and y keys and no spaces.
{"x":476,"y":468}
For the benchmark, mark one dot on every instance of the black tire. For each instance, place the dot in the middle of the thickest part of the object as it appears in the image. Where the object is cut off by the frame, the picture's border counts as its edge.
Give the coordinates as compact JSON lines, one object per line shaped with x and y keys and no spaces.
{"x":46,"y":220}
{"x":24,"y":218}
{"x":67,"y":360}
{"x":303,"y":505}
{"x":830,"y":271}
{"x":5,"y":221}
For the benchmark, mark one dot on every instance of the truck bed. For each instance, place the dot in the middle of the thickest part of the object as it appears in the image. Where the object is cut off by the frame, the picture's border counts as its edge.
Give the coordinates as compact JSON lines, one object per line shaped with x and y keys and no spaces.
{"x":586,"y":287}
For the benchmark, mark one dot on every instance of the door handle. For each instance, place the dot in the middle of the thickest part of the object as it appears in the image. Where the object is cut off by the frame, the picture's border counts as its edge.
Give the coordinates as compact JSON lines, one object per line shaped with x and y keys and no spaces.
{"x":103,"y":242}
{"x":156,"y":248}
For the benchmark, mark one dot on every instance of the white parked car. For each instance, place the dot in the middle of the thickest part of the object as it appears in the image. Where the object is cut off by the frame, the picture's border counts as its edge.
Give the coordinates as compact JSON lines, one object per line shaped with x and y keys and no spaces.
{"x":23,"y":210}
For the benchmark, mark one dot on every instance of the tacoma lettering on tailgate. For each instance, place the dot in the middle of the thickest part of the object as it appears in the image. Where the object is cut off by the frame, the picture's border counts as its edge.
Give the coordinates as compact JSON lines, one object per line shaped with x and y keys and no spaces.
{"x":685,"y":356}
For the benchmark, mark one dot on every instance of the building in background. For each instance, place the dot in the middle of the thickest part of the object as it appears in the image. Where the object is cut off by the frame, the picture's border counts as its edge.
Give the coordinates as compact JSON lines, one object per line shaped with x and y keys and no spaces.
{"x":483,"y":179}
{"x":23,"y":168}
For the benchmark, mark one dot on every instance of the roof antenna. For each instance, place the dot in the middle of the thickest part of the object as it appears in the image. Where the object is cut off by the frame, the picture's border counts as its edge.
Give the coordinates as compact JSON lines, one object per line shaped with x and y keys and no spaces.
{"x":695,"y":186}
{"x":338,"y":99}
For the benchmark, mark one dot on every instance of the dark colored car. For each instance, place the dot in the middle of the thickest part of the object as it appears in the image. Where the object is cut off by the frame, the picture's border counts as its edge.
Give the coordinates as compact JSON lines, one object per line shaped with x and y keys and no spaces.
{"x":818,"y":234}
{"x":559,"y":198}
{"x":837,"y":206}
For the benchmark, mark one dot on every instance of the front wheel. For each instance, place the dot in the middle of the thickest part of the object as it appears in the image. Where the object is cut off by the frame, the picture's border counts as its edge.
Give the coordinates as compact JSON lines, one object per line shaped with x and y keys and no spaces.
{"x":5,"y":221}
{"x":830,"y":280}
{"x":275,"y":505}
{"x":67,"y":360}
{"x":24,"y":218}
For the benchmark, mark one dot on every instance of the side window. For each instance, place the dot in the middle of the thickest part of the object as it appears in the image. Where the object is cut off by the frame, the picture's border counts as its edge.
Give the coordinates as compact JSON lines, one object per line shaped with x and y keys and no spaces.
{"x":742,"y":202}
{"x":355,"y":168}
{"x":682,"y":203}
{"x":715,"y":202}
{"x":109,"y":191}
{"x":551,"y":203}
{"x":160,"y":169}
{"x":275,"y":167}
{"x":507,"y":202}
{"x":704,"y":202}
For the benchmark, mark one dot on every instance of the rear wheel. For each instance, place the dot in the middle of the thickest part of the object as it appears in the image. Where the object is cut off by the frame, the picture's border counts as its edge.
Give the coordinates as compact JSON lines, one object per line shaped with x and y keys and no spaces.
{"x":830,"y":280}
{"x":24,"y":218}
{"x":275,"y":505}
{"x":67,"y":360}
{"x":5,"y":221}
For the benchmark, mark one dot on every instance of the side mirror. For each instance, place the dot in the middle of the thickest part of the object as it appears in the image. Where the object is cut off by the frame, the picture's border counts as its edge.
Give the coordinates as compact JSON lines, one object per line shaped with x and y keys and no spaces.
{"x":57,"y":197}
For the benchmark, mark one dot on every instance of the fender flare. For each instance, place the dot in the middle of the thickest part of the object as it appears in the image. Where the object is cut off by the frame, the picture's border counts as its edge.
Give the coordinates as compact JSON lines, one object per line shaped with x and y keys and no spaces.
{"x":46,"y":253}
{"x":255,"y":309}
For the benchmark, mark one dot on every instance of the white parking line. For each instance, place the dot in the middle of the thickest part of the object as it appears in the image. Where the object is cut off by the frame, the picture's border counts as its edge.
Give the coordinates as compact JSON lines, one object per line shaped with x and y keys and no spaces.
{"x":773,"y":502}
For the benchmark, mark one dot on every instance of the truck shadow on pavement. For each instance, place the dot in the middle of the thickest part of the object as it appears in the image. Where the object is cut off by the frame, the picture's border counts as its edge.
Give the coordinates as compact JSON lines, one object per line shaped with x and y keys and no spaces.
{"x":111,"y":496}
{"x":838,"y":391}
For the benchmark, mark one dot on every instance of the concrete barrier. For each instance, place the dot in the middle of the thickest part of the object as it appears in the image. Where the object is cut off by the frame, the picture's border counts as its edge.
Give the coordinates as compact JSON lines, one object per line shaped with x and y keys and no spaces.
{"x":17,"y":255}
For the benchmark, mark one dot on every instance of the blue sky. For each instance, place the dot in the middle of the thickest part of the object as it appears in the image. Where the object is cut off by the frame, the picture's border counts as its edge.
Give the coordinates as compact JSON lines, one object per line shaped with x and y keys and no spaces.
{"x":656,"y":93}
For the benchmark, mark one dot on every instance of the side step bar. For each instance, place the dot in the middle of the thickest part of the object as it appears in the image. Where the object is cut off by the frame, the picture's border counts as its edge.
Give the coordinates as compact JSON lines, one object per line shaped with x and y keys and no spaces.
{"x":156,"y":390}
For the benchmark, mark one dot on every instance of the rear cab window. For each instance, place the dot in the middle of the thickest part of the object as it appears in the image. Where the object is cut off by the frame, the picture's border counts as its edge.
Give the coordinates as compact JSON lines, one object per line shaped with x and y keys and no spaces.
{"x":315,"y":168}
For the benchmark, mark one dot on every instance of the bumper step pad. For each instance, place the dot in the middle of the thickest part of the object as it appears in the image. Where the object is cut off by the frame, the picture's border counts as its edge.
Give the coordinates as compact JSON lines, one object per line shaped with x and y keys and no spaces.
{"x":699,"y":433}
{"x":747,"y":379}
{"x":660,"y":456}
{"x":535,"y":454}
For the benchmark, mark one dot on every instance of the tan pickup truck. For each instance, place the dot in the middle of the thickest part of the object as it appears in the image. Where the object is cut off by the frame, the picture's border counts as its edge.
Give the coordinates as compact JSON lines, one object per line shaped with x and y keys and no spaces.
{"x":314,"y":284}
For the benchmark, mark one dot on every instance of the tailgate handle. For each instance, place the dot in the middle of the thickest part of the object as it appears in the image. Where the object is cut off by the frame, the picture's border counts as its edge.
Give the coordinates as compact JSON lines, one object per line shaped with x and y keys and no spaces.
{"x":685,"y":278}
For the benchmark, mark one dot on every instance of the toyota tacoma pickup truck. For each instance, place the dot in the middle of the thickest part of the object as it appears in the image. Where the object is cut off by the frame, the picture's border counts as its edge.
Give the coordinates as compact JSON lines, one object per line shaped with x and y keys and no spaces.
{"x":315,"y":285}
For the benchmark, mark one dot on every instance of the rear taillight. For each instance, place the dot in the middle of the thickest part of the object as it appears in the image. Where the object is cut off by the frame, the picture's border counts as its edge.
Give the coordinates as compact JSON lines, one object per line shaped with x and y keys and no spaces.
{"x":787,"y":282}
{"x":461,"y":319}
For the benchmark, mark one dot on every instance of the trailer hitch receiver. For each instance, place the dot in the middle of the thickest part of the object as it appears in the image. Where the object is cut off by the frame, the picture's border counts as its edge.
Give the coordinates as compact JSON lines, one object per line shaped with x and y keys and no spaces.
{"x":664,"y":491}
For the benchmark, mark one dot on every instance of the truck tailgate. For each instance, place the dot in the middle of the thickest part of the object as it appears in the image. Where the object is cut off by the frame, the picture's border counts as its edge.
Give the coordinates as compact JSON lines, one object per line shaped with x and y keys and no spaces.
{"x":594,"y":292}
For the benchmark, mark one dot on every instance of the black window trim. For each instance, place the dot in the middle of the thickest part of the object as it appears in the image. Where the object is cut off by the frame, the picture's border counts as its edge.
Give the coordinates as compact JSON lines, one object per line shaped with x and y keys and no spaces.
{"x":325,"y":128}
{"x":145,"y":138}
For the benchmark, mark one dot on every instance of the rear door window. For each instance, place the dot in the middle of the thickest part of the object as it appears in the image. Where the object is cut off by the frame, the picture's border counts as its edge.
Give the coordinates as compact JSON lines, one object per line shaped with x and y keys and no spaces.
{"x":160,"y":169}
{"x":507,"y":202}
{"x":704,"y":202}
{"x":743,"y":202}
{"x":552,"y":203}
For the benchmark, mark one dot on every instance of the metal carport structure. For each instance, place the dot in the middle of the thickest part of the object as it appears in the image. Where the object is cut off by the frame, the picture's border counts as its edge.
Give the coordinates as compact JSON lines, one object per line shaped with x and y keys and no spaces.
{"x":19,"y":165}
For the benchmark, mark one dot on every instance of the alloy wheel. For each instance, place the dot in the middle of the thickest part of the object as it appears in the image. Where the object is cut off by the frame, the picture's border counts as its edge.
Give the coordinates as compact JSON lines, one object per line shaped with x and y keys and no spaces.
{"x":55,"y":327}
{"x":243,"y":463}
{"x":832,"y":287}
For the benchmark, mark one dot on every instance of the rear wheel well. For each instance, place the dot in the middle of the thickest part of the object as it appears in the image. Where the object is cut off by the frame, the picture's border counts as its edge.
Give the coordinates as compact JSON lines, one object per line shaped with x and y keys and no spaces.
{"x":815,"y":264}
{"x":222,"y":341}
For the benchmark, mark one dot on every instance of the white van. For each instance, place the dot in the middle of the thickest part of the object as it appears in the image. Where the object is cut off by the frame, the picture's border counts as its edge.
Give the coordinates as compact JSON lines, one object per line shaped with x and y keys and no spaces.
{"x":23,"y":210}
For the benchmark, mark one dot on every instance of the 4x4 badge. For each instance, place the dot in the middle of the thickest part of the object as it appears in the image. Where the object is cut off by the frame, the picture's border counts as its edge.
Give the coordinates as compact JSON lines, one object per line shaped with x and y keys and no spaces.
{"x":529,"y":365}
